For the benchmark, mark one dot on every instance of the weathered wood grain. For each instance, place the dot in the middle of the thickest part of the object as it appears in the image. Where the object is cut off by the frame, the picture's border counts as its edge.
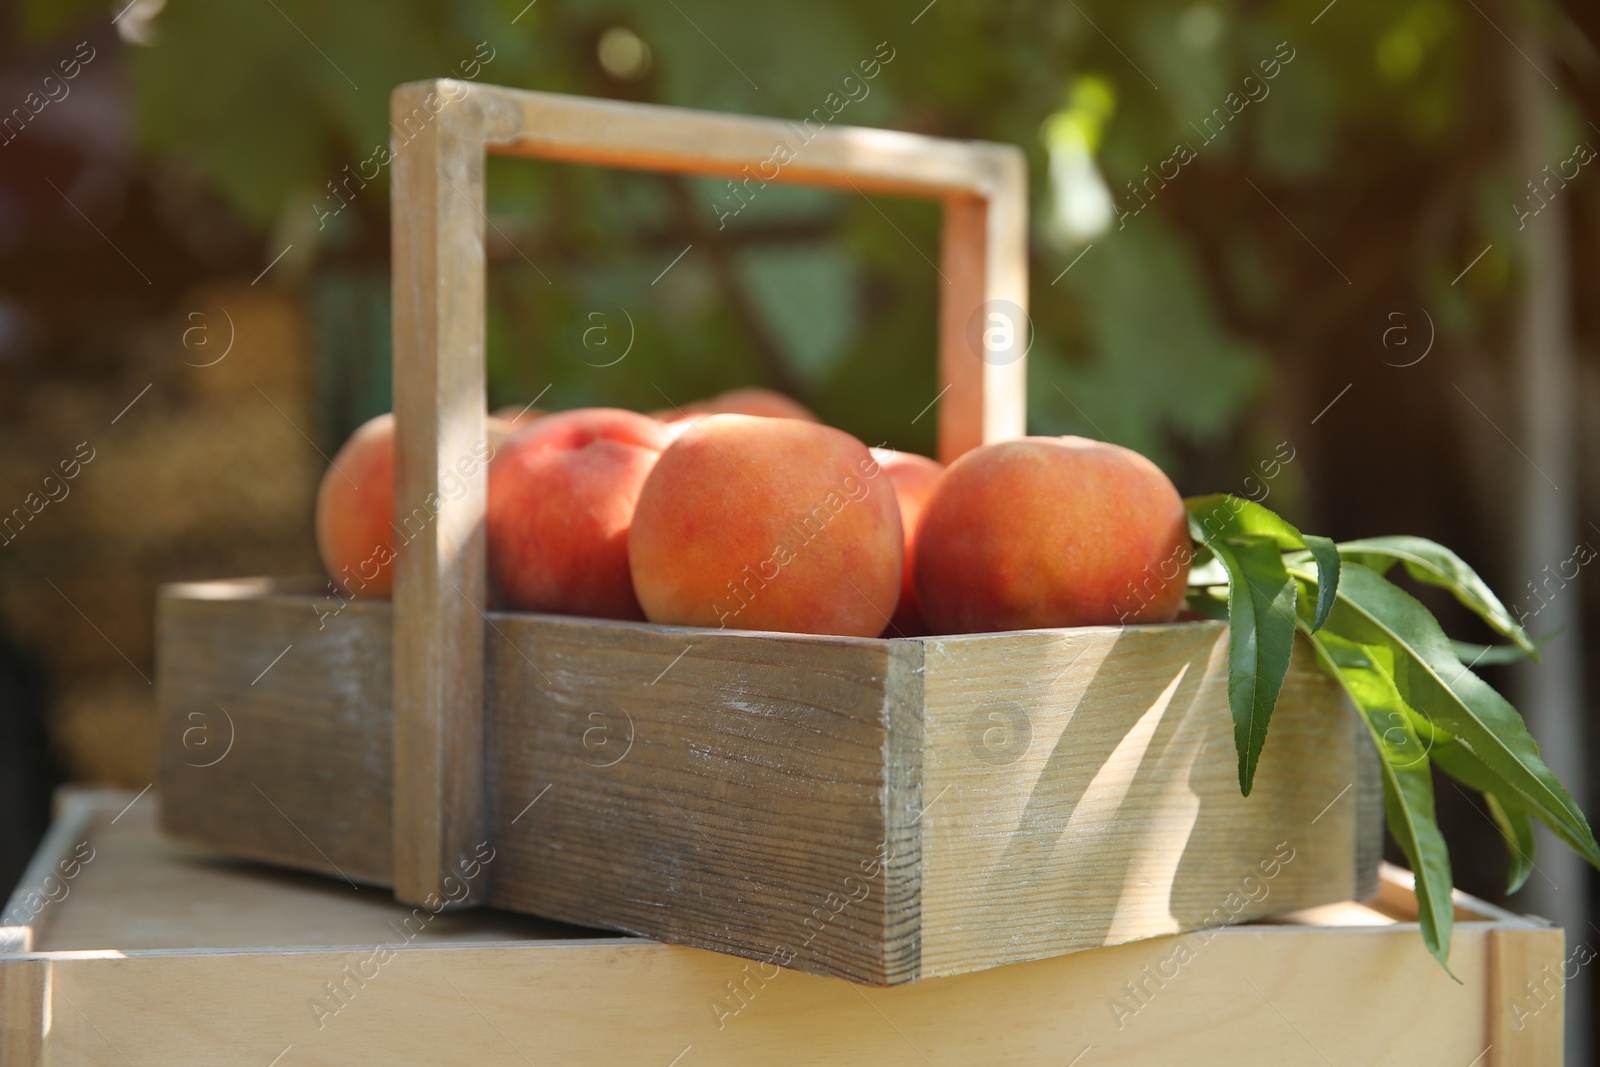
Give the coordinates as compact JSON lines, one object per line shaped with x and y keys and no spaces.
{"x":440,"y":480}
{"x":726,"y":787}
{"x":883,"y":810}
{"x":1341,"y":985}
{"x":617,"y":133}
{"x":1088,"y":793}
{"x":307,"y":776}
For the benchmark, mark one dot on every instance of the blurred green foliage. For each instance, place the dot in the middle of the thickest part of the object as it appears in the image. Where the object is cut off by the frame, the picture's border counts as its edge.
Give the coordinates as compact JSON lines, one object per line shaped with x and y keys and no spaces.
{"x":1147,"y":340}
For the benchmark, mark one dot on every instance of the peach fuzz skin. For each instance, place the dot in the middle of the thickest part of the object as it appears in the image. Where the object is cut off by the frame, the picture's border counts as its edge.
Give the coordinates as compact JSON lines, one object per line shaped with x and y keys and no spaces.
{"x":751,"y":523}
{"x":750,"y":401}
{"x":1051,"y":531}
{"x":913,"y":477}
{"x":561,"y":503}
{"x":355,"y":505}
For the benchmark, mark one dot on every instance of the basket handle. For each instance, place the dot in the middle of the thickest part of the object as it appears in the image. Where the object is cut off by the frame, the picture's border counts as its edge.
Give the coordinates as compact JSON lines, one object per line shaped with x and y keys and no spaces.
{"x":442,"y":130}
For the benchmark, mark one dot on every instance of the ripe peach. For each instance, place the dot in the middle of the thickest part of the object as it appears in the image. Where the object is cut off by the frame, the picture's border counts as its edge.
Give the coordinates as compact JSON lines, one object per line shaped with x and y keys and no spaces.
{"x":751,"y":401}
{"x":355,"y":519}
{"x":913,"y":477}
{"x":561,"y":501}
{"x":1051,"y":531}
{"x":355,"y":505}
{"x":767,"y":524}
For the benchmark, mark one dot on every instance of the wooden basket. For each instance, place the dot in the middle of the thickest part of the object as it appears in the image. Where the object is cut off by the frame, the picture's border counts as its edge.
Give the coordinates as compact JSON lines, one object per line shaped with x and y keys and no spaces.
{"x":883,"y":810}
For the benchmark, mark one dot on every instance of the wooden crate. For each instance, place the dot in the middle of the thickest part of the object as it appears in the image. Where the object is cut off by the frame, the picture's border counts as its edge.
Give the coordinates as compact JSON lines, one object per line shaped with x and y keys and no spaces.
{"x":880,"y":809}
{"x":884,"y":810}
{"x":163,"y":954}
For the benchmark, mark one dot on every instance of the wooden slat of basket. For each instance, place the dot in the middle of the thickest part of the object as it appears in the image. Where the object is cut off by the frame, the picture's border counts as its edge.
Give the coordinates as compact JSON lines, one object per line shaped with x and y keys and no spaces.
{"x":439,"y":402}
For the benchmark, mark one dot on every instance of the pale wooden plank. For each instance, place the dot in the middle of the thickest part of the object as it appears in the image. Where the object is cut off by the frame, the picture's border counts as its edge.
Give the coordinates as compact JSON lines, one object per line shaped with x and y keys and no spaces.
{"x":32,"y":909}
{"x":1525,"y":998}
{"x":1397,"y":896}
{"x":655,"y":137}
{"x":1395,"y":902}
{"x":1292,"y":991}
{"x":1344,"y":913}
{"x":448,"y":999}
{"x":983,"y":271}
{"x":1005,"y":254}
{"x":33,"y":899}
{"x":439,"y":403}
{"x":1090,"y":794}
{"x":963,"y":287}
{"x":142,"y":892}
{"x":24,"y":1012}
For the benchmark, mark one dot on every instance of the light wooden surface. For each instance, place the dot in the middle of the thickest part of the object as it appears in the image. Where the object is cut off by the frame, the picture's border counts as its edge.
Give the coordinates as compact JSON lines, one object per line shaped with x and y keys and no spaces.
{"x":438,"y":281}
{"x":850,"y":801}
{"x":1526,"y":982}
{"x":440,"y":493}
{"x":1341,"y":985}
{"x":145,"y":892}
